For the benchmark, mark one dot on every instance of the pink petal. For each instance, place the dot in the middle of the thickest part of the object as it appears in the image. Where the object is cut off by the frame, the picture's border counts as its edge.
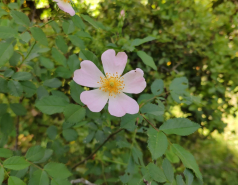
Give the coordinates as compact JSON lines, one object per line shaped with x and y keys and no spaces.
{"x":122,"y":104}
{"x":88,"y":75}
{"x":134,"y":81}
{"x":66,"y":7}
{"x":113,"y":63}
{"x":94,"y":99}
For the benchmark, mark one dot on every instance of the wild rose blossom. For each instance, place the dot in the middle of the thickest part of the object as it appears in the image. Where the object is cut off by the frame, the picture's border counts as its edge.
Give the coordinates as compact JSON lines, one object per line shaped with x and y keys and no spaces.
{"x":65,"y":6}
{"x":111,"y":86}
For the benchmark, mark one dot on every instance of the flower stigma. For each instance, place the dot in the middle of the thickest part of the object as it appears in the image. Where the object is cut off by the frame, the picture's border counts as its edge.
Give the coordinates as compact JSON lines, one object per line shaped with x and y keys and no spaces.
{"x":113,"y":84}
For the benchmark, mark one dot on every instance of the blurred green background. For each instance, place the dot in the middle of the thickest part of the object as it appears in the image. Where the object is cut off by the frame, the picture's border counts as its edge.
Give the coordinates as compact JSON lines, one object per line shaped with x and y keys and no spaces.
{"x":197,"y":39}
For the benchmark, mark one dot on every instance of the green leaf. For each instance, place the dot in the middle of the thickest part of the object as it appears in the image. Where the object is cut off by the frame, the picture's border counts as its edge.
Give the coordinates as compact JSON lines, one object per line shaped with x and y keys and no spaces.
{"x":74,"y":113}
{"x":95,"y":24}
{"x":75,"y":91}
{"x":59,"y":57}
{"x":3,"y":109}
{"x":147,"y":60}
{"x":7,"y":32}
{"x":8,"y":73}
{"x":1,"y":174}
{"x":6,"y":124}
{"x":3,"y":85}
{"x":26,"y":37}
{"x":77,"y":41}
{"x":168,"y":170}
{"x":137,"y":156}
{"x":39,"y":35}
{"x":70,"y":134}
{"x":178,"y":90}
{"x":57,"y":170}
{"x":157,"y":143}
{"x":2,"y":12}
{"x":63,"y":72}
{"x":89,"y":137}
{"x":61,"y":44}
{"x":39,"y":177}
{"x":19,"y":173}
{"x":6,"y":51}
{"x":171,"y":156}
{"x":29,"y":88}
{"x":153,"y":109}
{"x":73,"y":63}
{"x":53,"y":83}
{"x":22,"y":76}
{"x":187,"y":159}
{"x":189,"y":176}
{"x":88,"y":55}
{"x":179,"y":180}
{"x":16,"y":163}
{"x":52,"y":132}
{"x":83,"y":34}
{"x":15,"y":88}
{"x":15,"y":59}
{"x":51,"y":105}
{"x":42,"y":92}
{"x":179,"y":126}
{"x":129,"y":121}
{"x":15,"y":181}
{"x":68,"y":27}
{"x":13,"y":5}
{"x":18,"y":109}
{"x":156,"y":173}
{"x":47,"y":154}
{"x":35,"y":153}
{"x":60,"y":182}
{"x":78,"y":22}
{"x":138,"y":42}
{"x":157,"y":87}
{"x":55,"y":26}
{"x":47,"y":63}
{"x":5,"y":153}
{"x":20,"y":18}
{"x":60,"y":94}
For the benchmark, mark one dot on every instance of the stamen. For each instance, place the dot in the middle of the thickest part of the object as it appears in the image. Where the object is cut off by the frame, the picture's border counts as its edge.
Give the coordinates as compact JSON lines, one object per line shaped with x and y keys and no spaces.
{"x":112,"y":83}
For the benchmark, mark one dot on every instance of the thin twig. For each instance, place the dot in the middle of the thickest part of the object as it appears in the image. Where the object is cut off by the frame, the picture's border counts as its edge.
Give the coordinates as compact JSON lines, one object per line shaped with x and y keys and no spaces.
{"x":82,"y":180}
{"x":98,"y":148}
{"x":149,"y":122}
{"x":2,"y":71}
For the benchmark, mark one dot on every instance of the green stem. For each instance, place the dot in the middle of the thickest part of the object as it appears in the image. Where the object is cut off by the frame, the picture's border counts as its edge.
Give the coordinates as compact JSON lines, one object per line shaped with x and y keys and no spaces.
{"x":3,"y":168}
{"x":104,"y":177}
{"x":149,"y":122}
{"x":153,"y":98}
{"x":116,"y":162}
{"x":98,"y":148}
{"x":27,"y":54}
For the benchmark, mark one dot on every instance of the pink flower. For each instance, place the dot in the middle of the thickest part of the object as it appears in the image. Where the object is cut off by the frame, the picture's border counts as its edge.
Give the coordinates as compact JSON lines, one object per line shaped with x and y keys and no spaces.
{"x":122,"y":13}
{"x":111,"y":86}
{"x":65,"y":6}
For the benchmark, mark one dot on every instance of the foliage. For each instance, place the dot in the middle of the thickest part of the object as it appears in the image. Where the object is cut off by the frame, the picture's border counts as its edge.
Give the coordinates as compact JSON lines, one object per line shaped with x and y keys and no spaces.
{"x":48,"y":136}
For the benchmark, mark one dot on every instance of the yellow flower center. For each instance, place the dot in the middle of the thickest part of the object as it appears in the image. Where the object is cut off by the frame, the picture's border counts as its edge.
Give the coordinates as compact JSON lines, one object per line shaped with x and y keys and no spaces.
{"x":66,"y":1}
{"x":113,"y":84}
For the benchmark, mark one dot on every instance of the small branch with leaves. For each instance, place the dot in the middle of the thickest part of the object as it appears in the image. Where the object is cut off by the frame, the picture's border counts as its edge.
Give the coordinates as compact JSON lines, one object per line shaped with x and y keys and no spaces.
{"x":98,"y":148}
